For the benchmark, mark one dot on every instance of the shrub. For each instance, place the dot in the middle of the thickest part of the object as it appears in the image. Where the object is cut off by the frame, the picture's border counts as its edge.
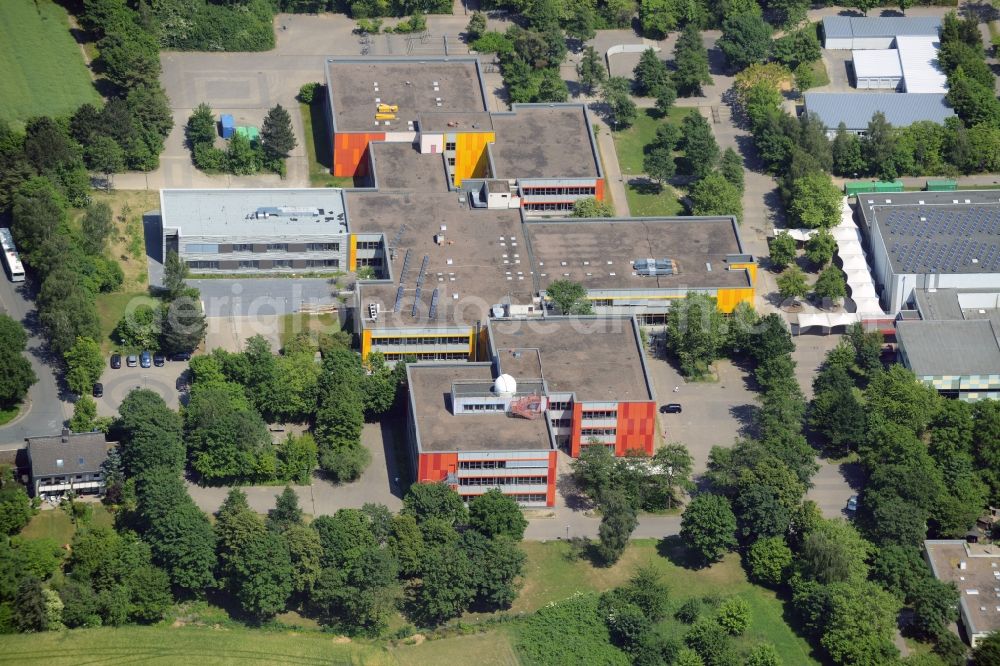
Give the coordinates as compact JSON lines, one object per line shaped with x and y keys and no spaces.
{"x":308,"y":92}
{"x":734,"y":615}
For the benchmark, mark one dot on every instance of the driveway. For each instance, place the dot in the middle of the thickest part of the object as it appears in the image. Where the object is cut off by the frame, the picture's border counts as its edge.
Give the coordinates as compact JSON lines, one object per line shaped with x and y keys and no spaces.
{"x":119,"y":383}
{"x":46,"y":409}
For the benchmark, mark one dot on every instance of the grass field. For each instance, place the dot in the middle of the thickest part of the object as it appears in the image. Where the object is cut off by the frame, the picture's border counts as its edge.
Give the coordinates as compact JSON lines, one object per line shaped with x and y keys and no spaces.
{"x":56,"y":524}
{"x":8,"y":414}
{"x":820,"y":76}
{"x":127,"y":245}
{"x":490,"y":649}
{"x":629,"y":143}
{"x":318,"y":148}
{"x":296,"y":323}
{"x":41,"y":68}
{"x":111,"y":307}
{"x":186,"y":644}
{"x":644,"y":200}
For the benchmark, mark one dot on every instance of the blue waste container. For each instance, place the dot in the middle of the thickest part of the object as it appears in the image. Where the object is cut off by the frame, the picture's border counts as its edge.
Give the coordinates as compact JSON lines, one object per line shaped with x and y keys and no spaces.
{"x":228,"y":126}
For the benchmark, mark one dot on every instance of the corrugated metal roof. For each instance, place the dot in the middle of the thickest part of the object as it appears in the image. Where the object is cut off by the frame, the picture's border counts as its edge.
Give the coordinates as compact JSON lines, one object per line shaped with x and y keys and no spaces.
{"x":918,"y":55}
{"x":856,"y":109}
{"x":937,"y":348}
{"x":877,"y":63}
{"x":857,"y":27}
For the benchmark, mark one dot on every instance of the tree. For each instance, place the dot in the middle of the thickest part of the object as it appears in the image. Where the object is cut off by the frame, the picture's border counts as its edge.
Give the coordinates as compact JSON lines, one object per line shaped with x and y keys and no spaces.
{"x":834,"y":552}
{"x":847,"y":160}
{"x":650,"y":73}
{"x":476,"y":27}
{"x":447,"y":584}
{"x":764,"y":654}
{"x":183,"y":325}
{"x":16,"y":373}
{"x":860,"y":624}
{"x":591,"y":70}
{"x":424,"y":501}
{"x":746,"y":39}
{"x":769,"y":560}
{"x":698,"y":144}
{"x":815,"y":202}
{"x":592,"y":207}
{"x":708,"y":526}
{"x":84,"y":363}
{"x":569,"y":297}
{"x":242,"y":159}
{"x":593,"y":471}
{"x":865,"y":5}
{"x":580,"y":23}
{"x":201,"y":126}
{"x":831,"y":284}
{"x":987,"y":652}
{"x":286,"y":512}
{"x":131,"y":58}
{"x":551,"y":87}
{"x":835,"y":411}
{"x":734,"y":615}
{"x":618,"y":520}
{"x":935,"y":606}
{"x":820,"y":247}
{"x":494,"y":514}
{"x":695,"y":332}
{"x":106,"y":157}
{"x":139,"y":328}
{"x":878,"y":146}
{"x":713,"y":195}
{"x":497,"y":563}
{"x":691,"y":63}
{"x":792,"y":283}
{"x":151,"y":434}
{"x":97,"y":227}
{"x":712,"y":643}
{"x":29,"y":606}
{"x":15,"y":506}
{"x":665,"y":96}
{"x":175,"y":273}
{"x":622,"y":111}
{"x":731,"y":168}
{"x":84,"y":414}
{"x":659,"y":165}
{"x":672,"y":465}
{"x":783,"y":250}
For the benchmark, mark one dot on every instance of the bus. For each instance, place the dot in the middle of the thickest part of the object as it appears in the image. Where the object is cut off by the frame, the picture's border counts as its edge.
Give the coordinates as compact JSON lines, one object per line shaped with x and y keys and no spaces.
{"x":11,"y":262}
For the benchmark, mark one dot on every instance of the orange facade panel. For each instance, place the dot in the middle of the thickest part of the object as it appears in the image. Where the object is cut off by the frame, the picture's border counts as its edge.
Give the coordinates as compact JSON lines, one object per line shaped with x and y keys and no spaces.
{"x":434,"y":467}
{"x":550,"y":493}
{"x":577,"y":428}
{"x":599,"y":190}
{"x":350,"y":153}
{"x":636,"y":430}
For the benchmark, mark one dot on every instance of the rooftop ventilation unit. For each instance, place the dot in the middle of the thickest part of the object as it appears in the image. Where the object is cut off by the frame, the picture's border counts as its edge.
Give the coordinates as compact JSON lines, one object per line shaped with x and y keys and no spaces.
{"x":265,"y":212}
{"x":654,"y":267}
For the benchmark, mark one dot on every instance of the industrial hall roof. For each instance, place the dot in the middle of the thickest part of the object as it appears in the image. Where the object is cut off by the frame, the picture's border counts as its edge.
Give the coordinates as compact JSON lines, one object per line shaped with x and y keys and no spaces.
{"x":70,"y":453}
{"x":940,"y":348}
{"x":855,"y":109}
{"x":845,"y":27}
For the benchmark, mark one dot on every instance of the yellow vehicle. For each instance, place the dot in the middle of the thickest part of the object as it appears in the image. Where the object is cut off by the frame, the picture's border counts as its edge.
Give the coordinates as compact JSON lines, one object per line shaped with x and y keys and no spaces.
{"x":385,"y":116}
{"x":388,"y":108}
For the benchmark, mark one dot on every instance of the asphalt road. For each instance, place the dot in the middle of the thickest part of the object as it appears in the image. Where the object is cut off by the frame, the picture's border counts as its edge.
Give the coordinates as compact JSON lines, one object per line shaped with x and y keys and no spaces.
{"x":46,"y":410}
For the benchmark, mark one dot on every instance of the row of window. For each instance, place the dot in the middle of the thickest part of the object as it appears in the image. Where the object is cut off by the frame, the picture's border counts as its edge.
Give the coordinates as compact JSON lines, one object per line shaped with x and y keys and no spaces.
{"x":369,"y":245}
{"x":518,"y":497}
{"x":449,"y":145}
{"x":62,"y":479}
{"x":529,"y":191}
{"x":562,"y":423}
{"x":273,"y":247}
{"x":549,"y":206}
{"x":274,"y":263}
{"x":598,"y":432}
{"x":609,"y":447}
{"x":482,"y":407}
{"x":482,"y":464}
{"x":370,"y":261}
{"x":493,"y":481}
{"x":443,"y":356}
{"x":428,"y":340}
{"x":601,"y":414}
{"x":559,"y":406}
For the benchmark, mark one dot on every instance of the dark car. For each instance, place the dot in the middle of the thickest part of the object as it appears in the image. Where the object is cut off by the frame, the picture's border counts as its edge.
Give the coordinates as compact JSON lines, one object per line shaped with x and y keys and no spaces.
{"x":98,"y":390}
{"x":116,"y":361}
{"x":181,"y":356}
{"x":145,"y":359}
{"x":131,"y":360}
{"x":159,"y":360}
{"x":672,"y":408}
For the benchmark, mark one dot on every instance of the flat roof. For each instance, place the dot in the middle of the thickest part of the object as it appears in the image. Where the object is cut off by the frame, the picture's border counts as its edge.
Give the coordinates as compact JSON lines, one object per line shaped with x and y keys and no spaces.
{"x":855,"y":109}
{"x":953,"y":347}
{"x":400,"y":166}
{"x":232,"y":212}
{"x":600,"y":359}
{"x":480,"y":250}
{"x":875,"y":63}
{"x":430,"y":387}
{"x":415,"y":86}
{"x":918,"y":57}
{"x":455,"y":121}
{"x":79,"y":453}
{"x":879,"y":26}
{"x":937,"y":232}
{"x":978,"y":583}
{"x":599,"y":253}
{"x":544,"y":141}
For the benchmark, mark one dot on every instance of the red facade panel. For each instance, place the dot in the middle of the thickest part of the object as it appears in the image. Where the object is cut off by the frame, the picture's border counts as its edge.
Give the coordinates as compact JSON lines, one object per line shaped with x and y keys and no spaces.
{"x":435,"y":467}
{"x":574,"y":437}
{"x":350,"y":153}
{"x":599,"y":192}
{"x":550,"y":493}
{"x":636,"y":430}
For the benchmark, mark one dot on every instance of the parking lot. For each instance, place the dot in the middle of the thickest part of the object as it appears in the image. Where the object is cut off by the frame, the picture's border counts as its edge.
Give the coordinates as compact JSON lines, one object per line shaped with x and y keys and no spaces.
{"x":119,"y":383}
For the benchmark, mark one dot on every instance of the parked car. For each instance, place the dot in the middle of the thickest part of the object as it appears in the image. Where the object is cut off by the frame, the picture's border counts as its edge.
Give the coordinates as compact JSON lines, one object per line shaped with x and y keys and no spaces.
{"x":852,"y":504}
{"x":131,"y":360}
{"x":98,"y":390}
{"x":181,"y":356}
{"x":145,"y":359}
{"x":672,"y":408}
{"x":159,"y":359}
{"x":116,"y":361}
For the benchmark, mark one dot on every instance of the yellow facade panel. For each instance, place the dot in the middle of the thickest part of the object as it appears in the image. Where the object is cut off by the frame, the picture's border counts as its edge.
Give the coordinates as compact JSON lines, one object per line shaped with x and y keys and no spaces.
{"x":352,"y":254}
{"x":728,"y":299}
{"x":470,"y":155}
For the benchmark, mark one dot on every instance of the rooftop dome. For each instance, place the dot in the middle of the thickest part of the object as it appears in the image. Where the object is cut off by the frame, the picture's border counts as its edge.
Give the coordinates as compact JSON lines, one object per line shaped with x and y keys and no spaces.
{"x":505,"y":384}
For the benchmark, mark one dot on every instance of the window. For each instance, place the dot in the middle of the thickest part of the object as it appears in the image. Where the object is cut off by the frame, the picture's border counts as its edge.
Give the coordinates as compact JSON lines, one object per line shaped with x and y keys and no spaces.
{"x":552,"y":191}
{"x":249,"y":264}
{"x":201,"y":248}
{"x":242,"y":247}
{"x":369,"y":245}
{"x":482,"y":407}
{"x":602,"y":302}
{"x":601,"y":414}
{"x":560,"y":406}
{"x":482,"y":464}
{"x":451,"y":161}
{"x":549,"y":206}
{"x":518,"y":497}
{"x":562,"y":423}
{"x":277,"y":247}
{"x":598,"y":432}
{"x":323,"y":247}
{"x":426,"y":340}
{"x":494,"y":481}
{"x":449,"y":145}
{"x":203,"y":264}
{"x":371,"y":261}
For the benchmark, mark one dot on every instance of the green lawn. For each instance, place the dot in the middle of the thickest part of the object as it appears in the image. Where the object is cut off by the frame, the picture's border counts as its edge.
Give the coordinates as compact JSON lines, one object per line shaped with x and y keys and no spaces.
{"x":490,"y":649}
{"x":8,"y":414}
{"x":629,"y":143}
{"x":318,"y":148}
{"x":42,"y":71}
{"x":110,"y":309}
{"x":292,"y":324}
{"x":186,"y":644}
{"x":645,"y":201}
{"x":820,"y":77}
{"x":56,"y":524}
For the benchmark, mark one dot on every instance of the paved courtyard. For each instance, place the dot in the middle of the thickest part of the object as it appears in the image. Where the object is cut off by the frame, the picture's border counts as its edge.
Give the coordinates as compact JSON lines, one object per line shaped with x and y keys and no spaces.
{"x":119,"y":383}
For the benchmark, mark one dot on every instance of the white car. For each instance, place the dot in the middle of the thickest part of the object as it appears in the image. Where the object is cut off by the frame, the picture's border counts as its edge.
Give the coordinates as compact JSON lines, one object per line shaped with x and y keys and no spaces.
{"x":852,"y":504}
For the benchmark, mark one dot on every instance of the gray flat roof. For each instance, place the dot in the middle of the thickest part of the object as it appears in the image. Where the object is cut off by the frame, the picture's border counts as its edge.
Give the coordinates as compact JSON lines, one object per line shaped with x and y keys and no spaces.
{"x":455,"y":121}
{"x":981,"y":607}
{"x":471,"y":264}
{"x":937,"y":232}
{"x":80,"y":453}
{"x":855,"y":109}
{"x":227,"y":212}
{"x":430,"y":397}
{"x":400,"y":166}
{"x":937,"y":348}
{"x":598,"y":358}
{"x":355,"y":84}
{"x":543,"y":141}
{"x":599,"y":253}
{"x":879,"y":26}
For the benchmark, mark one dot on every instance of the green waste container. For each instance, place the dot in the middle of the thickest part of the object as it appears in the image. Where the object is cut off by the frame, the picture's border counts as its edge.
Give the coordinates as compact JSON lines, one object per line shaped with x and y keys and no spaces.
{"x":249,"y":132}
{"x":942,"y":185}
